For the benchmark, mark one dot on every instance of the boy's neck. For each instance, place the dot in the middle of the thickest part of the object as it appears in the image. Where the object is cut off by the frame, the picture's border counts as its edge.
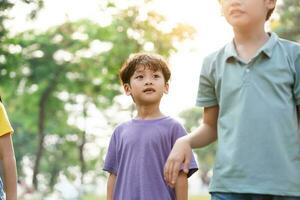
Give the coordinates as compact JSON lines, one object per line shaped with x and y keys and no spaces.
{"x":148,"y":112}
{"x":247,"y":42}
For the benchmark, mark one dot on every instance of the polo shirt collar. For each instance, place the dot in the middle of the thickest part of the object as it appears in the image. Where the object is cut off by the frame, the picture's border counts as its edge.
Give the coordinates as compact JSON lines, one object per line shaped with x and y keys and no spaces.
{"x":267,"y":48}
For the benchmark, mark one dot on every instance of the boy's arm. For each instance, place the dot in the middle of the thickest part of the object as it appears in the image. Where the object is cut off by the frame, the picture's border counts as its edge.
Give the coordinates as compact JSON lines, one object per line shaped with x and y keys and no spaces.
{"x":182,"y":149}
{"x":110,"y":186}
{"x":181,"y":187}
{"x":9,"y":166}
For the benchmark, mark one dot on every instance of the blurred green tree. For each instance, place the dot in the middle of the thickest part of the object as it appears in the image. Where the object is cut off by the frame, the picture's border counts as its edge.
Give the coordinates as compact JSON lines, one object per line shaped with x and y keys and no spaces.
{"x":288,"y":24}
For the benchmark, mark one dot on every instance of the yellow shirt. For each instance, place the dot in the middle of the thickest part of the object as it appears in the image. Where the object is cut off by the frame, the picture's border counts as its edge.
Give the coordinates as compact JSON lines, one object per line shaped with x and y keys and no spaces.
{"x":5,"y":126}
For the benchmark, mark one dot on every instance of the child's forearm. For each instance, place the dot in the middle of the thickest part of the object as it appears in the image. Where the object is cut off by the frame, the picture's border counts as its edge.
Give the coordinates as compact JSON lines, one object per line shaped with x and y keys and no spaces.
{"x":110,"y":186}
{"x":9,"y":167}
{"x":10,"y":178}
{"x":181,"y":187}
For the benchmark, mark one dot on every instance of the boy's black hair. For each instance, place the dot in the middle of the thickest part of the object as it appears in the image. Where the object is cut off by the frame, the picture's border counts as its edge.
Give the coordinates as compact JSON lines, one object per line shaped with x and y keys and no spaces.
{"x":269,"y":14}
{"x":148,"y":60}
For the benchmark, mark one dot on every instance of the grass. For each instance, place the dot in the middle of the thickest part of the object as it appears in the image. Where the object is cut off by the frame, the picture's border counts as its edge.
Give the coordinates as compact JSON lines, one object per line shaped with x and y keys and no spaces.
{"x":93,"y":197}
{"x":202,"y":197}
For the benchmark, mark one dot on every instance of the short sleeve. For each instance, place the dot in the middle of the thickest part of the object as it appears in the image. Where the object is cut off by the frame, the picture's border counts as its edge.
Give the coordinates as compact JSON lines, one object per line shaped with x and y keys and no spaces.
{"x":296,"y":88}
{"x":5,"y":126}
{"x":206,"y":96}
{"x":111,"y":161}
{"x":179,"y":131}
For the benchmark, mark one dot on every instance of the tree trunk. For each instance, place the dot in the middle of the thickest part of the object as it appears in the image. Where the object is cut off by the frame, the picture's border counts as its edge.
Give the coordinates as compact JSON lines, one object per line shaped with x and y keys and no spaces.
{"x":81,"y":156}
{"x":82,"y":144}
{"x":41,"y":126}
{"x":54,"y":175}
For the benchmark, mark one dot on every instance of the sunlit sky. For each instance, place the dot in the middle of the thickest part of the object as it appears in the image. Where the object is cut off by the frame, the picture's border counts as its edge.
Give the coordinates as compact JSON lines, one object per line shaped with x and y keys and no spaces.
{"x":212,"y":33}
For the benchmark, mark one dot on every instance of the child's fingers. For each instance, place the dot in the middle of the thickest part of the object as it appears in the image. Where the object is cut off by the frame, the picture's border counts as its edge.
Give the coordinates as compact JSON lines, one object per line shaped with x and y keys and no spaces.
{"x":175,"y":171}
{"x":186,"y":165}
{"x":168,"y":167}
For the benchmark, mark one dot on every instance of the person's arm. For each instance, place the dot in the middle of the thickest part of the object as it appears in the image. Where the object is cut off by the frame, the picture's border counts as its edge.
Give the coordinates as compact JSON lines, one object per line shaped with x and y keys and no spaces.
{"x":110,"y":186}
{"x":181,"y":186}
{"x":9,"y":166}
{"x":182,"y":150}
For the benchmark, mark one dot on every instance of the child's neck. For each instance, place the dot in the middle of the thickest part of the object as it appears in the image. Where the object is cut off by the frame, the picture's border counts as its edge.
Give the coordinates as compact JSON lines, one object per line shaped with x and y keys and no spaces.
{"x":148,"y":112}
{"x":247,"y":42}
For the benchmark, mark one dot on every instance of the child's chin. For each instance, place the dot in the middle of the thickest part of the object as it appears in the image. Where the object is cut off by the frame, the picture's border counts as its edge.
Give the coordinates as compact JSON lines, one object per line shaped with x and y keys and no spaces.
{"x":150,"y":101}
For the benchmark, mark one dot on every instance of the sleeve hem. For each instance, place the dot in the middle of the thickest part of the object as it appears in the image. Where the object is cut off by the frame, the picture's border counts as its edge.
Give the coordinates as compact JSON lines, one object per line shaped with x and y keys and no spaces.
{"x":192,"y":171}
{"x":110,"y":170}
{"x":6,"y":131}
{"x":209,"y":103}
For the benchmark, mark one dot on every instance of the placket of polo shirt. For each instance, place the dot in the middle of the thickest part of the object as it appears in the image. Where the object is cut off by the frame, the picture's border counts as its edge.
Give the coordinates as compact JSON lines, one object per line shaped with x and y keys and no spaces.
{"x":247,"y":72}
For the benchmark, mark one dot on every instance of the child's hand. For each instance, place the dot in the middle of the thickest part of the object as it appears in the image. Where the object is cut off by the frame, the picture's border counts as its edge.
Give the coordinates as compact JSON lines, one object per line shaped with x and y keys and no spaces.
{"x":180,"y":154}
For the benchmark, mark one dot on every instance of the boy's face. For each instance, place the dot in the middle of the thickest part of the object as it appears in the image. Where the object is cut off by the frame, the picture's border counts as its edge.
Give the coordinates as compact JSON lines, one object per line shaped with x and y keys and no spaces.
{"x":146,"y":86}
{"x":246,"y":13}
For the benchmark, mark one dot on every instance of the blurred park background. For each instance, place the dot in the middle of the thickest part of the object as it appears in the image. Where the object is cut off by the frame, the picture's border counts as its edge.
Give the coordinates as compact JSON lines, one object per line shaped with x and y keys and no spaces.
{"x":59,"y":61}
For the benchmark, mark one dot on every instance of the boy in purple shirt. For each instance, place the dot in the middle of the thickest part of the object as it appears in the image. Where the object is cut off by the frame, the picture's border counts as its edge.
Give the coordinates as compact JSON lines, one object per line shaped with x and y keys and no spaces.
{"x":139,"y":148}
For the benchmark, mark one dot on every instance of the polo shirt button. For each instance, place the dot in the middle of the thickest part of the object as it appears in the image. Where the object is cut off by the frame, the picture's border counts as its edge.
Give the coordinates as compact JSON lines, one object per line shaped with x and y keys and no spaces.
{"x":247,"y":70}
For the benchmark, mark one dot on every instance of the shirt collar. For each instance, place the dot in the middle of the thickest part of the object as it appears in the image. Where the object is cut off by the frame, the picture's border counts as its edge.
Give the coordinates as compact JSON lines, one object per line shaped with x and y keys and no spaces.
{"x":267,"y":48}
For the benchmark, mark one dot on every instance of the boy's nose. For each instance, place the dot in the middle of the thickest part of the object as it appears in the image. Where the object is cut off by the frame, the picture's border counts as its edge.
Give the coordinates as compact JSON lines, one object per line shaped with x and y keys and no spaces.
{"x":148,"y":82}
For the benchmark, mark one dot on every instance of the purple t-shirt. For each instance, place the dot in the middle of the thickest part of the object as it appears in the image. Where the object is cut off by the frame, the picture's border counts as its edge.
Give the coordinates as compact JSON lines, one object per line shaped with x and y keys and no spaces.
{"x":137,"y":153}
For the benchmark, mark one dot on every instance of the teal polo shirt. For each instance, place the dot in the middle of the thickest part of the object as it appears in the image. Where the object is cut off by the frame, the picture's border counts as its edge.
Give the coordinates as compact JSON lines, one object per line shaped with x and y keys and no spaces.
{"x":258,"y":137}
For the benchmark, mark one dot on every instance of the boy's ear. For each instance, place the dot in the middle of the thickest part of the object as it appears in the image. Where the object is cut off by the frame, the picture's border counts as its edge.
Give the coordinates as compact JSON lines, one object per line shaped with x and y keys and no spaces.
{"x":271,"y":4}
{"x":166,"y":90}
{"x":127,"y":89}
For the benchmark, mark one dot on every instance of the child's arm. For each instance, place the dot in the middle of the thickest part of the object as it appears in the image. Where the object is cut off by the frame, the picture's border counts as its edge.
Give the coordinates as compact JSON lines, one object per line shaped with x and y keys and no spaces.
{"x":182,"y":150}
{"x":9,"y":166}
{"x":111,"y":186}
{"x":181,"y":187}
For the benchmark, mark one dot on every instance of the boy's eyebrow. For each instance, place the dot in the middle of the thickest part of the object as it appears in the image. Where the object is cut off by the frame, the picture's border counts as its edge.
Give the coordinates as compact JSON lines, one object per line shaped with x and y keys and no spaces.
{"x":142,"y":71}
{"x":139,"y":71}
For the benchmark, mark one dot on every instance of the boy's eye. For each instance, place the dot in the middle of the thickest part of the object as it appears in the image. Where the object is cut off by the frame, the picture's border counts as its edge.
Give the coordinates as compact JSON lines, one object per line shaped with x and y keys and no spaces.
{"x":156,"y":76}
{"x":139,"y":77}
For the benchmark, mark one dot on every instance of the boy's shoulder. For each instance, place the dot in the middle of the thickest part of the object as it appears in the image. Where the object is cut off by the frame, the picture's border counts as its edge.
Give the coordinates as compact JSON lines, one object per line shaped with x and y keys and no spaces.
{"x":286,"y":50}
{"x":289,"y":42}
{"x":214,"y":59}
{"x":167,"y":120}
{"x":172,"y":121}
{"x":289,"y":46}
{"x":218,"y":54}
{"x":123,"y":125}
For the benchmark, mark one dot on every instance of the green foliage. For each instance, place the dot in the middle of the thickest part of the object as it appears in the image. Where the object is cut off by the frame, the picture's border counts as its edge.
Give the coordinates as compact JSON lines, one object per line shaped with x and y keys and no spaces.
{"x":191,"y":118}
{"x":4,"y":6}
{"x":288,"y":24}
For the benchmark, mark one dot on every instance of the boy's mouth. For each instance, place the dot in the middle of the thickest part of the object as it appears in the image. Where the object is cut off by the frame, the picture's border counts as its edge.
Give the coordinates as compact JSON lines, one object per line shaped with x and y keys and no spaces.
{"x":148,"y":90}
{"x":236,"y":12}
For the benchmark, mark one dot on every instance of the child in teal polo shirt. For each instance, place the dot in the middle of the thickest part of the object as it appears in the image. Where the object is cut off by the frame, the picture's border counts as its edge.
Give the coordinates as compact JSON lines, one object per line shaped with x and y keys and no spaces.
{"x":250,"y":91}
